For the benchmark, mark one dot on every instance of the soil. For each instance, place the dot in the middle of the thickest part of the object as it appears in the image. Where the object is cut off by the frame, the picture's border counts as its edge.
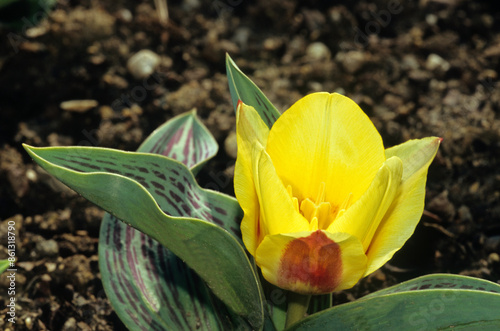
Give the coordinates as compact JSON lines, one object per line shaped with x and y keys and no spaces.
{"x":418,"y":68}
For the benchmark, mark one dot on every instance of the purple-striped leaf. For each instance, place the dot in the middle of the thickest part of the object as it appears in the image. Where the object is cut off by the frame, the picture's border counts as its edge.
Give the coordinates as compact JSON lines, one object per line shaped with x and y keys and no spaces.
{"x":165,"y":293}
{"x":171,"y":208}
{"x":151,"y":288}
{"x":148,"y":269}
{"x":183,"y":138}
{"x":169,"y":182}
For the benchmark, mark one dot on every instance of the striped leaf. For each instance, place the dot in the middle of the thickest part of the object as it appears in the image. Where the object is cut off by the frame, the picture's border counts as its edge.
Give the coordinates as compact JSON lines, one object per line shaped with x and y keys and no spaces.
{"x":147,"y":267}
{"x":242,"y":88}
{"x":440,"y":281}
{"x":150,"y":288}
{"x":141,"y":275}
{"x":183,"y":138}
{"x":433,"y":302}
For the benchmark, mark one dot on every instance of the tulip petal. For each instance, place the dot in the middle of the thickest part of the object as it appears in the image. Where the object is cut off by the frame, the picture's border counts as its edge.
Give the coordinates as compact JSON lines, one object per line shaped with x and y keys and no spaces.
{"x":363,"y":218}
{"x":278,"y":213}
{"x":406,"y":210}
{"x":326,"y":138}
{"x":250,"y":130}
{"x":416,"y":154}
{"x":312,"y":262}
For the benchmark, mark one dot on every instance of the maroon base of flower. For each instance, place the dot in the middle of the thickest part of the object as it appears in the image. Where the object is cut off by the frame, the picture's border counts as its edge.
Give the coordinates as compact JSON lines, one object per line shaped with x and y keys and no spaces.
{"x":311,"y":262}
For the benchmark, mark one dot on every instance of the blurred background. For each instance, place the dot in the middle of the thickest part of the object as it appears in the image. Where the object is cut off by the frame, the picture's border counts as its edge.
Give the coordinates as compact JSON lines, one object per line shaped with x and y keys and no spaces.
{"x":107,"y":73}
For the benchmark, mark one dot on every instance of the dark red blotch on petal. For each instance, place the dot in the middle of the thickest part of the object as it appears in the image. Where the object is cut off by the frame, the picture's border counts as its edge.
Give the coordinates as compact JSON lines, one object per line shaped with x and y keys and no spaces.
{"x":315,"y":261}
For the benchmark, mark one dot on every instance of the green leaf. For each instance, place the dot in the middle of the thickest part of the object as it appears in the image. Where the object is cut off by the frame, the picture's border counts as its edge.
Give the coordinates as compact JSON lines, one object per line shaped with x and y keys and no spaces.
{"x":4,"y":265}
{"x":160,"y":197}
{"x":167,"y":292}
{"x":183,"y":138}
{"x":242,"y":88}
{"x":433,"y":302}
{"x":168,"y":181}
{"x":187,"y":302}
{"x":141,"y":275}
{"x":438,"y":282}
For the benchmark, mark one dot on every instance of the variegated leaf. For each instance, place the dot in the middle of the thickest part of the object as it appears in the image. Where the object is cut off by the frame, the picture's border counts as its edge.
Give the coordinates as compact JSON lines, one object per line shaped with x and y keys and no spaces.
{"x":143,"y":190}
{"x":147,"y":266}
{"x":183,"y":138}
{"x":433,"y":302}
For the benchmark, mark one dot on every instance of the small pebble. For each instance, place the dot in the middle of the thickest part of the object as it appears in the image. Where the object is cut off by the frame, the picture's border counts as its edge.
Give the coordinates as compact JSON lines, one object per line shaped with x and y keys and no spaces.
{"x":143,"y":63}
{"x":493,"y":258}
{"x":464,"y":214}
{"x":47,"y":248}
{"x":474,"y":188}
{"x":272,"y":44}
{"x":409,"y":62}
{"x":241,"y":36}
{"x":190,"y":5}
{"x":46,"y":278}
{"x":351,"y":61}
{"x":28,"y":322}
{"x":32,"y":47}
{"x":125,"y":15}
{"x":50,"y":266}
{"x":106,"y":112}
{"x":77,"y":270}
{"x":36,"y":31}
{"x":115,"y":80}
{"x":431,"y":19}
{"x":78,"y":106}
{"x":435,"y":61}
{"x":70,"y":324}
{"x":317,"y":51}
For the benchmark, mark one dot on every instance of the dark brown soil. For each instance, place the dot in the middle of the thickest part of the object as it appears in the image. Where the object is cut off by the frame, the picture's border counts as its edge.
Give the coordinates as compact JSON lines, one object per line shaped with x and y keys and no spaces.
{"x":418,"y":68}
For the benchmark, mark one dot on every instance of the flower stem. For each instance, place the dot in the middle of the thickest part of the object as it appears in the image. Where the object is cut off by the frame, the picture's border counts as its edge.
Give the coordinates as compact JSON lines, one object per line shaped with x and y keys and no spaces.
{"x":297,"y":307}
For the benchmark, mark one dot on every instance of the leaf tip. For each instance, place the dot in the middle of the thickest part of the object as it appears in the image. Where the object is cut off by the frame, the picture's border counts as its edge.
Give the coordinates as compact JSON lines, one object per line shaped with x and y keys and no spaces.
{"x":29,"y":149}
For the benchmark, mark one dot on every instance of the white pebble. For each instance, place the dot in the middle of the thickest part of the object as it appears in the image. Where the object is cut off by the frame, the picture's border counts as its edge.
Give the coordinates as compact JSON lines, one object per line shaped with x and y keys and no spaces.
{"x":435,"y":61}
{"x":143,"y":63}
{"x":318,"y":51}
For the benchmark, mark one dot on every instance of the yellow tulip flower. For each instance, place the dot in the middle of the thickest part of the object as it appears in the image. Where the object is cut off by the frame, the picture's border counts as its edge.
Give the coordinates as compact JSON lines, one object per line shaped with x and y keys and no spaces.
{"x":324,"y":204}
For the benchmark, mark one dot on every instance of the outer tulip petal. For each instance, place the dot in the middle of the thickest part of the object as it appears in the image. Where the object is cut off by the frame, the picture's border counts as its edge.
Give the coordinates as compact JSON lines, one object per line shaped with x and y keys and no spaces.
{"x":416,"y":154}
{"x":277,"y":211}
{"x":326,"y":138}
{"x":363,"y":218}
{"x":312,"y":262}
{"x":250,"y":130}
{"x":406,"y":210}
